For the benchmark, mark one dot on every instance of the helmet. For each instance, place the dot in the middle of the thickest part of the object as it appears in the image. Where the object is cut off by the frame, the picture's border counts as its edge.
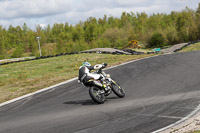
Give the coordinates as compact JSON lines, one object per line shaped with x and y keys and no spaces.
{"x":86,"y":64}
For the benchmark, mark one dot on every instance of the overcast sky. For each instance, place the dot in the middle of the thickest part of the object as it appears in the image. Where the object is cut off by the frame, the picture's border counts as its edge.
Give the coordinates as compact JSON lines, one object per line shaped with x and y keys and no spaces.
{"x":43,"y":12}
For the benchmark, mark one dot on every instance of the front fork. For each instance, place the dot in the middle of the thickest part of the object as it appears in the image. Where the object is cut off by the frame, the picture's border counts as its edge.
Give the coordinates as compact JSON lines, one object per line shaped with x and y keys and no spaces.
{"x":115,"y":83}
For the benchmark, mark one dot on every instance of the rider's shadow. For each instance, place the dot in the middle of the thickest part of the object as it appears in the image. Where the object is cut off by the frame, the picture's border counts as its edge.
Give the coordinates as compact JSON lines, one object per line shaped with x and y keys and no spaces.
{"x":112,"y":97}
{"x":81,"y":102}
{"x":86,"y":102}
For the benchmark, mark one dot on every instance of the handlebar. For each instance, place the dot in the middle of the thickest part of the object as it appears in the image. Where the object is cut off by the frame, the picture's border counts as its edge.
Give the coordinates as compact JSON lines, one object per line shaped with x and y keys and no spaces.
{"x":103,"y":66}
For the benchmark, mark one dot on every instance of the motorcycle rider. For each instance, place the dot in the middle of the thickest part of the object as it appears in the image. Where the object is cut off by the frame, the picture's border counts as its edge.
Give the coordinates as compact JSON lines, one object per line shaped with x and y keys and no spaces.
{"x":85,"y":74}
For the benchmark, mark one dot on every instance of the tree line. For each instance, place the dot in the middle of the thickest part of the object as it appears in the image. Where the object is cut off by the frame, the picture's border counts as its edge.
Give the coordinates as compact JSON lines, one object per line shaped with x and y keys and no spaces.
{"x":156,"y":30}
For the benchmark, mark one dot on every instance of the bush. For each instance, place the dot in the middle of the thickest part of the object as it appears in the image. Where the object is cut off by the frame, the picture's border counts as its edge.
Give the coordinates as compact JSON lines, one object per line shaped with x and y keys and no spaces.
{"x":18,"y":52}
{"x":157,"y":40}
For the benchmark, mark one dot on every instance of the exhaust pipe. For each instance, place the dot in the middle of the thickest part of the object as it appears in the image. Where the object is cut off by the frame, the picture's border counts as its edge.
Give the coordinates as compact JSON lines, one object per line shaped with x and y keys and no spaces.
{"x":97,"y":84}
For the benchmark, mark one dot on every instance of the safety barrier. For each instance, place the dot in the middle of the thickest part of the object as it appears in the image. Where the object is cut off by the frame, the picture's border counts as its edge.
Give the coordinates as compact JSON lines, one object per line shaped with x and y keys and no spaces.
{"x":189,"y":43}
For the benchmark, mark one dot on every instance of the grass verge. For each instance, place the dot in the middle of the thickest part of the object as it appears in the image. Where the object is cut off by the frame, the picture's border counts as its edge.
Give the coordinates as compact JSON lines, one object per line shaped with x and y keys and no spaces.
{"x":22,"y":78}
{"x":195,"y":132}
{"x":193,"y":47}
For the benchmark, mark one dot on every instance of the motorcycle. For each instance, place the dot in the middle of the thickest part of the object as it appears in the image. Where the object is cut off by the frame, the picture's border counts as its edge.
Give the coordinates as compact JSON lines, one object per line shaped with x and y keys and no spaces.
{"x":99,"y":91}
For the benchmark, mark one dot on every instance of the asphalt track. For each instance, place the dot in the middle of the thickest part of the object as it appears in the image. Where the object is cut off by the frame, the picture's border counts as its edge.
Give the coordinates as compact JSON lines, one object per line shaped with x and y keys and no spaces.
{"x":159,"y":91}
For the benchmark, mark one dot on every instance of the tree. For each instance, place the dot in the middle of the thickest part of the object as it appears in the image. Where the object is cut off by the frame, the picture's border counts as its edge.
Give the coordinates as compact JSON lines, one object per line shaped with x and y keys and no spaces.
{"x":2,"y":47}
{"x":156,"y":40}
{"x":18,"y":52}
{"x":77,"y":33}
{"x":198,"y":21}
{"x":60,"y":46}
{"x":25,"y":28}
{"x":115,"y":37}
{"x":172,"y":35}
{"x":91,"y":30}
{"x":48,"y":34}
{"x":2,"y":41}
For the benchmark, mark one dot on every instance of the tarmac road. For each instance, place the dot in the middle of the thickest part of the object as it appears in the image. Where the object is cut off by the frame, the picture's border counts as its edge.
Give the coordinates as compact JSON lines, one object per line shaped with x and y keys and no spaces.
{"x":159,"y":91}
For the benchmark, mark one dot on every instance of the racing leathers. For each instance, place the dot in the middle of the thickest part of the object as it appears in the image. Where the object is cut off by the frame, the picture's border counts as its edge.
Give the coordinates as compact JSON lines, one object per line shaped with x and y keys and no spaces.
{"x":85,"y":73}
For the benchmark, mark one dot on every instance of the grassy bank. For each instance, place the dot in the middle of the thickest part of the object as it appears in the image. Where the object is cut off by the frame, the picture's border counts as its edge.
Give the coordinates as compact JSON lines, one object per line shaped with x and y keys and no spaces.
{"x":193,"y":47}
{"x":195,"y":132}
{"x":21,"y":78}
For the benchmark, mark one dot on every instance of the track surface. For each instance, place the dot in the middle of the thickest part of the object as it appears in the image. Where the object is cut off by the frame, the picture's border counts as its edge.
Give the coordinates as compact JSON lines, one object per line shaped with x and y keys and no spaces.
{"x":159,"y":91}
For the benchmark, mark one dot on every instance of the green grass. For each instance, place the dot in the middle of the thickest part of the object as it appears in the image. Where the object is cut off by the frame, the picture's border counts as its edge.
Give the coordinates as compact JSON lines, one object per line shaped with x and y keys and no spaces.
{"x":25,"y":77}
{"x":195,"y":132}
{"x":193,"y":47}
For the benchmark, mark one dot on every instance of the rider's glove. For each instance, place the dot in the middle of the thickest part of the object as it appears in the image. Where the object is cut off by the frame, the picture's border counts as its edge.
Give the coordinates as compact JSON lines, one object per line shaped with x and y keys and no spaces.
{"x":104,"y":65}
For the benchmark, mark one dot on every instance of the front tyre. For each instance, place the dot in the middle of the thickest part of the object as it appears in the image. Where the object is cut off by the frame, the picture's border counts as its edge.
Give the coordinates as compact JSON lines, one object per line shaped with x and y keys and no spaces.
{"x":119,"y":91}
{"x":96,"y":95}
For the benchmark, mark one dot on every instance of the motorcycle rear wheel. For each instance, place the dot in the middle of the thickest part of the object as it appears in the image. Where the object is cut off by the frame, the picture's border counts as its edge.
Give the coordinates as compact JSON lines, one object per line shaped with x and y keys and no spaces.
{"x":96,"y":95}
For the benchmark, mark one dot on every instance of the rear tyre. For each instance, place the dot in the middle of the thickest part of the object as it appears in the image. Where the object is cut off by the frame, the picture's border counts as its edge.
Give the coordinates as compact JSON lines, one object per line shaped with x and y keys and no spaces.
{"x":96,"y":95}
{"x":119,"y":91}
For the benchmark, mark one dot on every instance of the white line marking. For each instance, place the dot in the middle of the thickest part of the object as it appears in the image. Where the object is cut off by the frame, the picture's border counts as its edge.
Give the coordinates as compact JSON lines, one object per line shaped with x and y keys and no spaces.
{"x":33,"y":93}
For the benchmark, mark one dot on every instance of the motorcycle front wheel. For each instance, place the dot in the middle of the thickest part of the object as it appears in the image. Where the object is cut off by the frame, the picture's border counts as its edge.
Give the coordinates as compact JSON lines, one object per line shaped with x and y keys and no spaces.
{"x":96,"y":95}
{"x":119,"y":91}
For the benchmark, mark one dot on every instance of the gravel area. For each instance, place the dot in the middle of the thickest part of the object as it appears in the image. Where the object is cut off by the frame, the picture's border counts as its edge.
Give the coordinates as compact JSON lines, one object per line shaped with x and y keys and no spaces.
{"x":188,"y":126}
{"x":174,"y":48}
{"x":16,"y":59}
